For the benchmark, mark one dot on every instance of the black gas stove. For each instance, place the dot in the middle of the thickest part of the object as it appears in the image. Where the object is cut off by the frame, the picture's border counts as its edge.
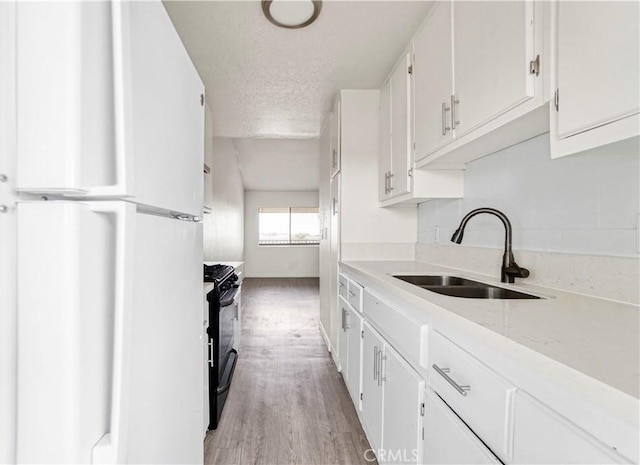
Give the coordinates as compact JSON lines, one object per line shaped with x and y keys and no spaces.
{"x":223,"y":316}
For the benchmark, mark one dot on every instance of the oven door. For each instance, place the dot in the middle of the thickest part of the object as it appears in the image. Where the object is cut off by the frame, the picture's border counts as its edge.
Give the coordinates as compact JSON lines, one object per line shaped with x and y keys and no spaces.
{"x":228,"y":317}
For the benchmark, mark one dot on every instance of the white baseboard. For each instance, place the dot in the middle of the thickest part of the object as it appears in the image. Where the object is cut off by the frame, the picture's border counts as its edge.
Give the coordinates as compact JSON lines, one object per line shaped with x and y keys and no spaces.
{"x":325,"y":337}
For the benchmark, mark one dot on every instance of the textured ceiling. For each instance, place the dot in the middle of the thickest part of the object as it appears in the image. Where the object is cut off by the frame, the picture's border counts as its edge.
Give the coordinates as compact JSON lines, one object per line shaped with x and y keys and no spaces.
{"x":269,"y":82}
{"x":278,"y":164}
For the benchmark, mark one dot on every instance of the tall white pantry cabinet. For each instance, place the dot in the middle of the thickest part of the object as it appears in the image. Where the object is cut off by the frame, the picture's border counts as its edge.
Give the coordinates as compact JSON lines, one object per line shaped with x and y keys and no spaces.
{"x":353,"y":225}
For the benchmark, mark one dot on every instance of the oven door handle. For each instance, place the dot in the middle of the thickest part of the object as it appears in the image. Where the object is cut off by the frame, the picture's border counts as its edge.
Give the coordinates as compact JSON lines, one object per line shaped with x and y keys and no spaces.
{"x":228,"y":297}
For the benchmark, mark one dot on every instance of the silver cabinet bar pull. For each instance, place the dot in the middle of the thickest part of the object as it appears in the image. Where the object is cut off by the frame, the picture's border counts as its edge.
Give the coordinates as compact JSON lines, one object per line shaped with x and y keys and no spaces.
{"x":375,"y":361}
{"x":443,"y":372}
{"x":445,"y":128}
{"x":380,"y":377}
{"x":454,"y":120}
{"x":390,"y":181}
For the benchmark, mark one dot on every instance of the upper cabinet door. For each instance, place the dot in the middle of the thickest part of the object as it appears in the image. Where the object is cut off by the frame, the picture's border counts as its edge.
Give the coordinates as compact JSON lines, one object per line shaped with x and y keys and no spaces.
{"x":384,"y":142}
{"x":598,"y":50}
{"x":400,"y":127}
{"x":336,"y":121}
{"x":433,"y":81}
{"x":109,"y":104}
{"x":493,"y":45}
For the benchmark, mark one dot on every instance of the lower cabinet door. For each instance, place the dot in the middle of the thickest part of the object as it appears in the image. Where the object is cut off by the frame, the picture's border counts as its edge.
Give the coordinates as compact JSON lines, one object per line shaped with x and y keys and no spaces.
{"x":402,"y":419}
{"x":343,"y":338}
{"x":447,"y":440}
{"x":543,"y":436}
{"x":372,"y":347}
{"x":354,"y":380}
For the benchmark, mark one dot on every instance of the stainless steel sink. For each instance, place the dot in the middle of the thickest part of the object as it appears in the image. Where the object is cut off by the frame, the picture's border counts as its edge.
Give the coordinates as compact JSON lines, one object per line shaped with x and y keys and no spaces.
{"x":455,"y":286}
{"x":437,"y":280}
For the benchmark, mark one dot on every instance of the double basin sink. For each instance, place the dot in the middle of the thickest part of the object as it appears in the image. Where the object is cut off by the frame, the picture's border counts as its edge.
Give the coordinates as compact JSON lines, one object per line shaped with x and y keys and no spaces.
{"x":455,"y":286}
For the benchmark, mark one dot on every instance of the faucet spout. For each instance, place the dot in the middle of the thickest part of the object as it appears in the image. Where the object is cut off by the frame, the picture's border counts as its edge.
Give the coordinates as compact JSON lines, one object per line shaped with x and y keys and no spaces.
{"x":510,"y":269}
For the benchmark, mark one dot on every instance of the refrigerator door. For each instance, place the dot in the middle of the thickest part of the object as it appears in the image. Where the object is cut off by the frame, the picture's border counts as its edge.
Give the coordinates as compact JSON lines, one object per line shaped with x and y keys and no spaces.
{"x":166,"y":359}
{"x":109,"y":362}
{"x":109,"y":104}
{"x":8,"y":315}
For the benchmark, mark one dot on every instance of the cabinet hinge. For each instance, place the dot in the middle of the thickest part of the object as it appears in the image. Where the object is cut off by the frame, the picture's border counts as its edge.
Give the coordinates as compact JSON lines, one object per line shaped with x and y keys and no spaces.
{"x":422,"y":409}
{"x":410,"y":69}
{"x":360,"y":396}
{"x":201,"y":100}
{"x":556,"y":99}
{"x":410,"y":172}
{"x":362,"y":334}
{"x":534,"y":66}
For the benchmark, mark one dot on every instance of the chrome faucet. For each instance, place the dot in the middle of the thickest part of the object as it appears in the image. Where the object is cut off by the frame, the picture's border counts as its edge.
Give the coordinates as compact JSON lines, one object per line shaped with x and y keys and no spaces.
{"x":510,"y":269}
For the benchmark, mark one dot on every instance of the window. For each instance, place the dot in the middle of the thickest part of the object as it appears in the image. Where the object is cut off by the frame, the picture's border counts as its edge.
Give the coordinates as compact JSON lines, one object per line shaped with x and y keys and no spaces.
{"x":289,"y":226}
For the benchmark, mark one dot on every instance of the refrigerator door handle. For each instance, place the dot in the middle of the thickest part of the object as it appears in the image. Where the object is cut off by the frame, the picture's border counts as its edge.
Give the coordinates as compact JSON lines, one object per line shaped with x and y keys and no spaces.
{"x":123,"y":186}
{"x":111,"y":447}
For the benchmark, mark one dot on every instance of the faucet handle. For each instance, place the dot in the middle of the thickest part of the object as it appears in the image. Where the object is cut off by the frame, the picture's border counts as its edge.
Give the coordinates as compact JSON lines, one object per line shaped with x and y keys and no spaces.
{"x":515,"y":271}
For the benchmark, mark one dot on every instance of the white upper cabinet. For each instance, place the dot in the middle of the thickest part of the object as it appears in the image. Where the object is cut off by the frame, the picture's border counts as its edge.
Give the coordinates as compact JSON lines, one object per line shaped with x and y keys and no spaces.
{"x":335,"y":121}
{"x":433,"y":81}
{"x":384,"y":142}
{"x":109,"y":104}
{"x":478,"y":82}
{"x":395,"y":135}
{"x":596,"y":74}
{"x":493,"y":45}
{"x":400,"y":127}
{"x":398,"y":181}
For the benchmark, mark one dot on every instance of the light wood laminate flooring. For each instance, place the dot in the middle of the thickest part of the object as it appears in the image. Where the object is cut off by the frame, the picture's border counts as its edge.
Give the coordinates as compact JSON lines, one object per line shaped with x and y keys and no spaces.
{"x":288,"y":404}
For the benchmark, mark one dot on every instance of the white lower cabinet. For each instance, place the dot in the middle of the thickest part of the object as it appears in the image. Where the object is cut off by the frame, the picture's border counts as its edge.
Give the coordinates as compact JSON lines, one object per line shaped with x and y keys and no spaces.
{"x":543,"y":436}
{"x":372,"y":349}
{"x":469,"y":411}
{"x":402,"y":410}
{"x":343,"y":339}
{"x":392,"y":402}
{"x":354,"y":343}
{"x":447,"y":439}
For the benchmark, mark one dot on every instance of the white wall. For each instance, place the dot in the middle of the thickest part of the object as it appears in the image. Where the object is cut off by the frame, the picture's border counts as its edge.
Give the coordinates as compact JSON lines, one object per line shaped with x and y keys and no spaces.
{"x":580,"y":204}
{"x":224,"y":226}
{"x":277,"y":262}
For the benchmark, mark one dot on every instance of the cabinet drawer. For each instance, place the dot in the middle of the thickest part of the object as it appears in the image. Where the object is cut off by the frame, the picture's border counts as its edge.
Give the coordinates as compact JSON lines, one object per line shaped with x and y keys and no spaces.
{"x":542,"y":436}
{"x":479,"y":396}
{"x":447,"y":440}
{"x":403,"y":332}
{"x":354,"y":295}
{"x":343,"y":285}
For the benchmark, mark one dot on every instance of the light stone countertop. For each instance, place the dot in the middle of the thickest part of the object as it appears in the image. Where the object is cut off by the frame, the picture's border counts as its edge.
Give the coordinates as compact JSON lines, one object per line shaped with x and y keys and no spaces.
{"x":208,"y":287}
{"x":236,"y":265}
{"x":596,"y":339}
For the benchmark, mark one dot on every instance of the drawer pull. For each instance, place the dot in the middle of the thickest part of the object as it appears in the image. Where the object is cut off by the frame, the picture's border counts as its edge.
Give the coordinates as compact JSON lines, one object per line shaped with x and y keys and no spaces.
{"x":443,"y":372}
{"x":351,"y":293}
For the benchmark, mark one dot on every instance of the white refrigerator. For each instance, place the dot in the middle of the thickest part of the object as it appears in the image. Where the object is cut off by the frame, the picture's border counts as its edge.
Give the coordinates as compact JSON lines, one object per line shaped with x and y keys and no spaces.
{"x":102,"y":168}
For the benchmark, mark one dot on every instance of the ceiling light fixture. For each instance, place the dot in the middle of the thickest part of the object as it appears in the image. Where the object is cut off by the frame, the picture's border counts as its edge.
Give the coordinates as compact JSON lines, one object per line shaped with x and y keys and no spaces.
{"x":291,"y":14}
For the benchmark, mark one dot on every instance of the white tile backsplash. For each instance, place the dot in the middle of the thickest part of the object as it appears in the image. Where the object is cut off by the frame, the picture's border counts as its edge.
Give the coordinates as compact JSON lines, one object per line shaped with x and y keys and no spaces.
{"x":580,"y":204}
